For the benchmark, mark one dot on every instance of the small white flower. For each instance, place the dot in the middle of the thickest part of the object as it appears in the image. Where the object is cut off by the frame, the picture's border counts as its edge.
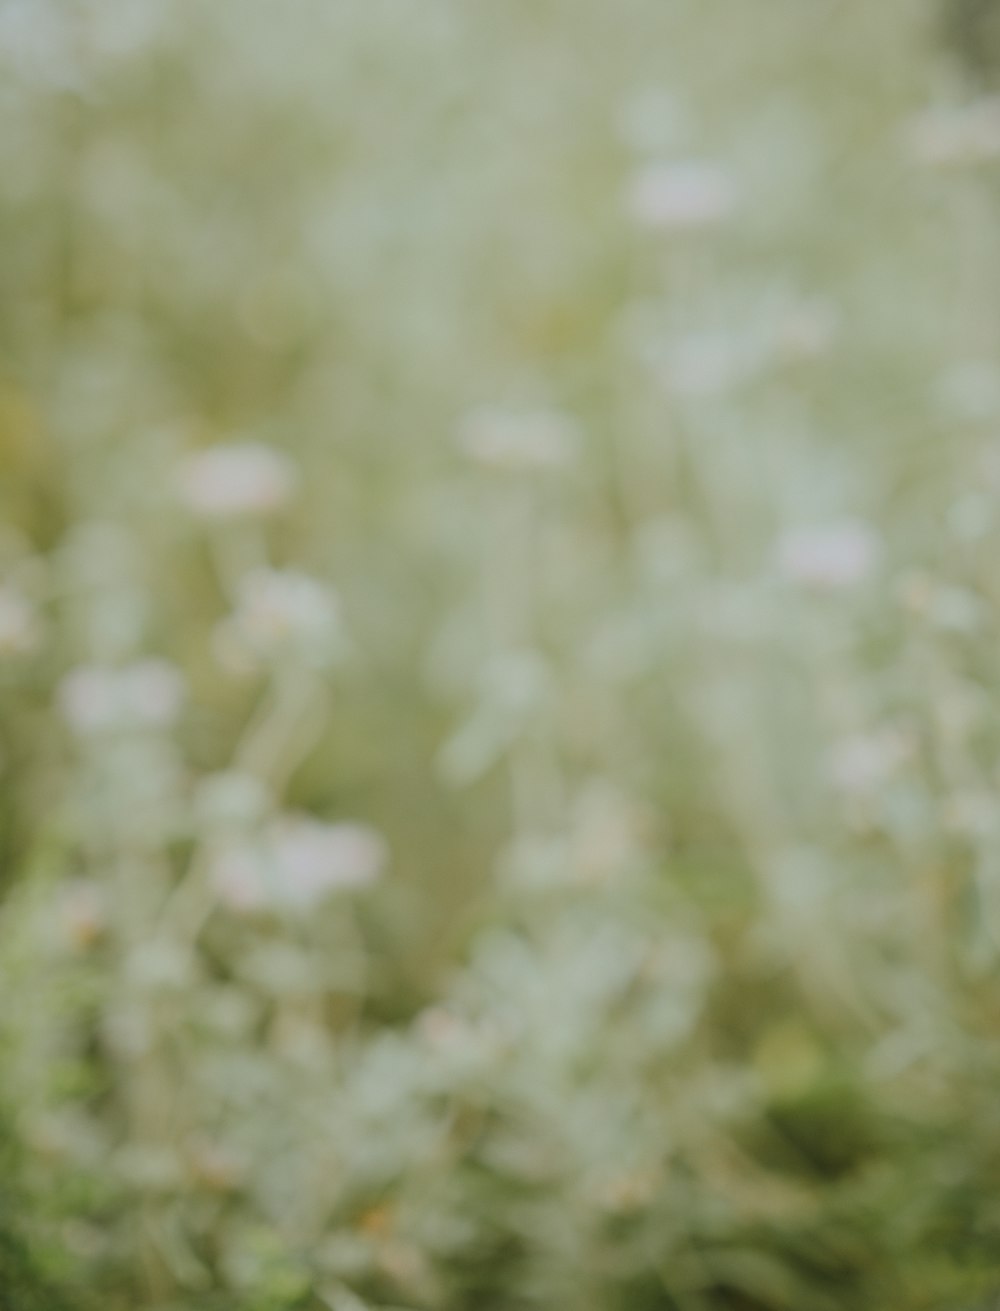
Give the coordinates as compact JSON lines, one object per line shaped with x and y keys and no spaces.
{"x":828,"y":556}
{"x":282,"y":612}
{"x":682,"y":196}
{"x":100,"y":698}
{"x":519,"y":439}
{"x":296,"y":863}
{"x":236,"y":480}
{"x":19,"y":628}
{"x":861,"y":764}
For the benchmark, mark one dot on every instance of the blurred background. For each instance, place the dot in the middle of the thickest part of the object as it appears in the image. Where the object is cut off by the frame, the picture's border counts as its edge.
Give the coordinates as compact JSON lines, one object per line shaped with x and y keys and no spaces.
{"x":499,"y":721}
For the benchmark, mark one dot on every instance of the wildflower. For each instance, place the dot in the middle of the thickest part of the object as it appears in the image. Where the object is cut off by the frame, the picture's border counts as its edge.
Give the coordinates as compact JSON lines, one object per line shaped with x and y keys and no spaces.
{"x":859,"y":765}
{"x":296,"y":863}
{"x":19,"y":631}
{"x":682,"y":196}
{"x":99,"y":698}
{"x":282,"y":612}
{"x":236,"y":480}
{"x":828,"y":556}
{"x":519,"y":439}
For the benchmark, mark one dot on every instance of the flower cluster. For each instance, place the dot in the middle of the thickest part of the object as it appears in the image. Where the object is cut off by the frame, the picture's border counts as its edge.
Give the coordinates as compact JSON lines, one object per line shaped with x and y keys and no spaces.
{"x":498,"y":731}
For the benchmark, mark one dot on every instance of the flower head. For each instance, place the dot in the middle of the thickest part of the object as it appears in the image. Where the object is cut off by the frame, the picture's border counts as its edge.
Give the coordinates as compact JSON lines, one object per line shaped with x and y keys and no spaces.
{"x":296,"y":863}
{"x":104,"y":698}
{"x":281,"y":613}
{"x":519,"y":439}
{"x":828,"y":556}
{"x":861,"y":764}
{"x":236,"y":480}
{"x":681,"y":196}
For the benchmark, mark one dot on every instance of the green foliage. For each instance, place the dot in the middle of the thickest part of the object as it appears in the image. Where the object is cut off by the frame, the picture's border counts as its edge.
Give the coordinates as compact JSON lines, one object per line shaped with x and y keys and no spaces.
{"x":498,"y":613}
{"x":27,"y":1280}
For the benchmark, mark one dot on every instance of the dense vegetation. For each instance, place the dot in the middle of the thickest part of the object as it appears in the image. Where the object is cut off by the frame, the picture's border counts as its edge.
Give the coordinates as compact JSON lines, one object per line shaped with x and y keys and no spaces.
{"x":499,"y":718}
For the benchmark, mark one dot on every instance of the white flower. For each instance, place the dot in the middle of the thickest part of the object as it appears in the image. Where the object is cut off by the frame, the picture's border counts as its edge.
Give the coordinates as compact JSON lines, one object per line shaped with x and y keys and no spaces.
{"x":242,"y":478}
{"x":519,"y":439}
{"x":861,"y":764}
{"x":681,"y":196}
{"x":19,"y":630}
{"x":102,"y":698}
{"x":296,"y":863}
{"x":828,"y":556}
{"x":282,"y":612}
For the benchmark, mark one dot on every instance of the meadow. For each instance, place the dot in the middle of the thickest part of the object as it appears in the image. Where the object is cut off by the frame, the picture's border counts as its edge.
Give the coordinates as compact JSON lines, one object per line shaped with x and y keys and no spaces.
{"x":499,"y":692}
